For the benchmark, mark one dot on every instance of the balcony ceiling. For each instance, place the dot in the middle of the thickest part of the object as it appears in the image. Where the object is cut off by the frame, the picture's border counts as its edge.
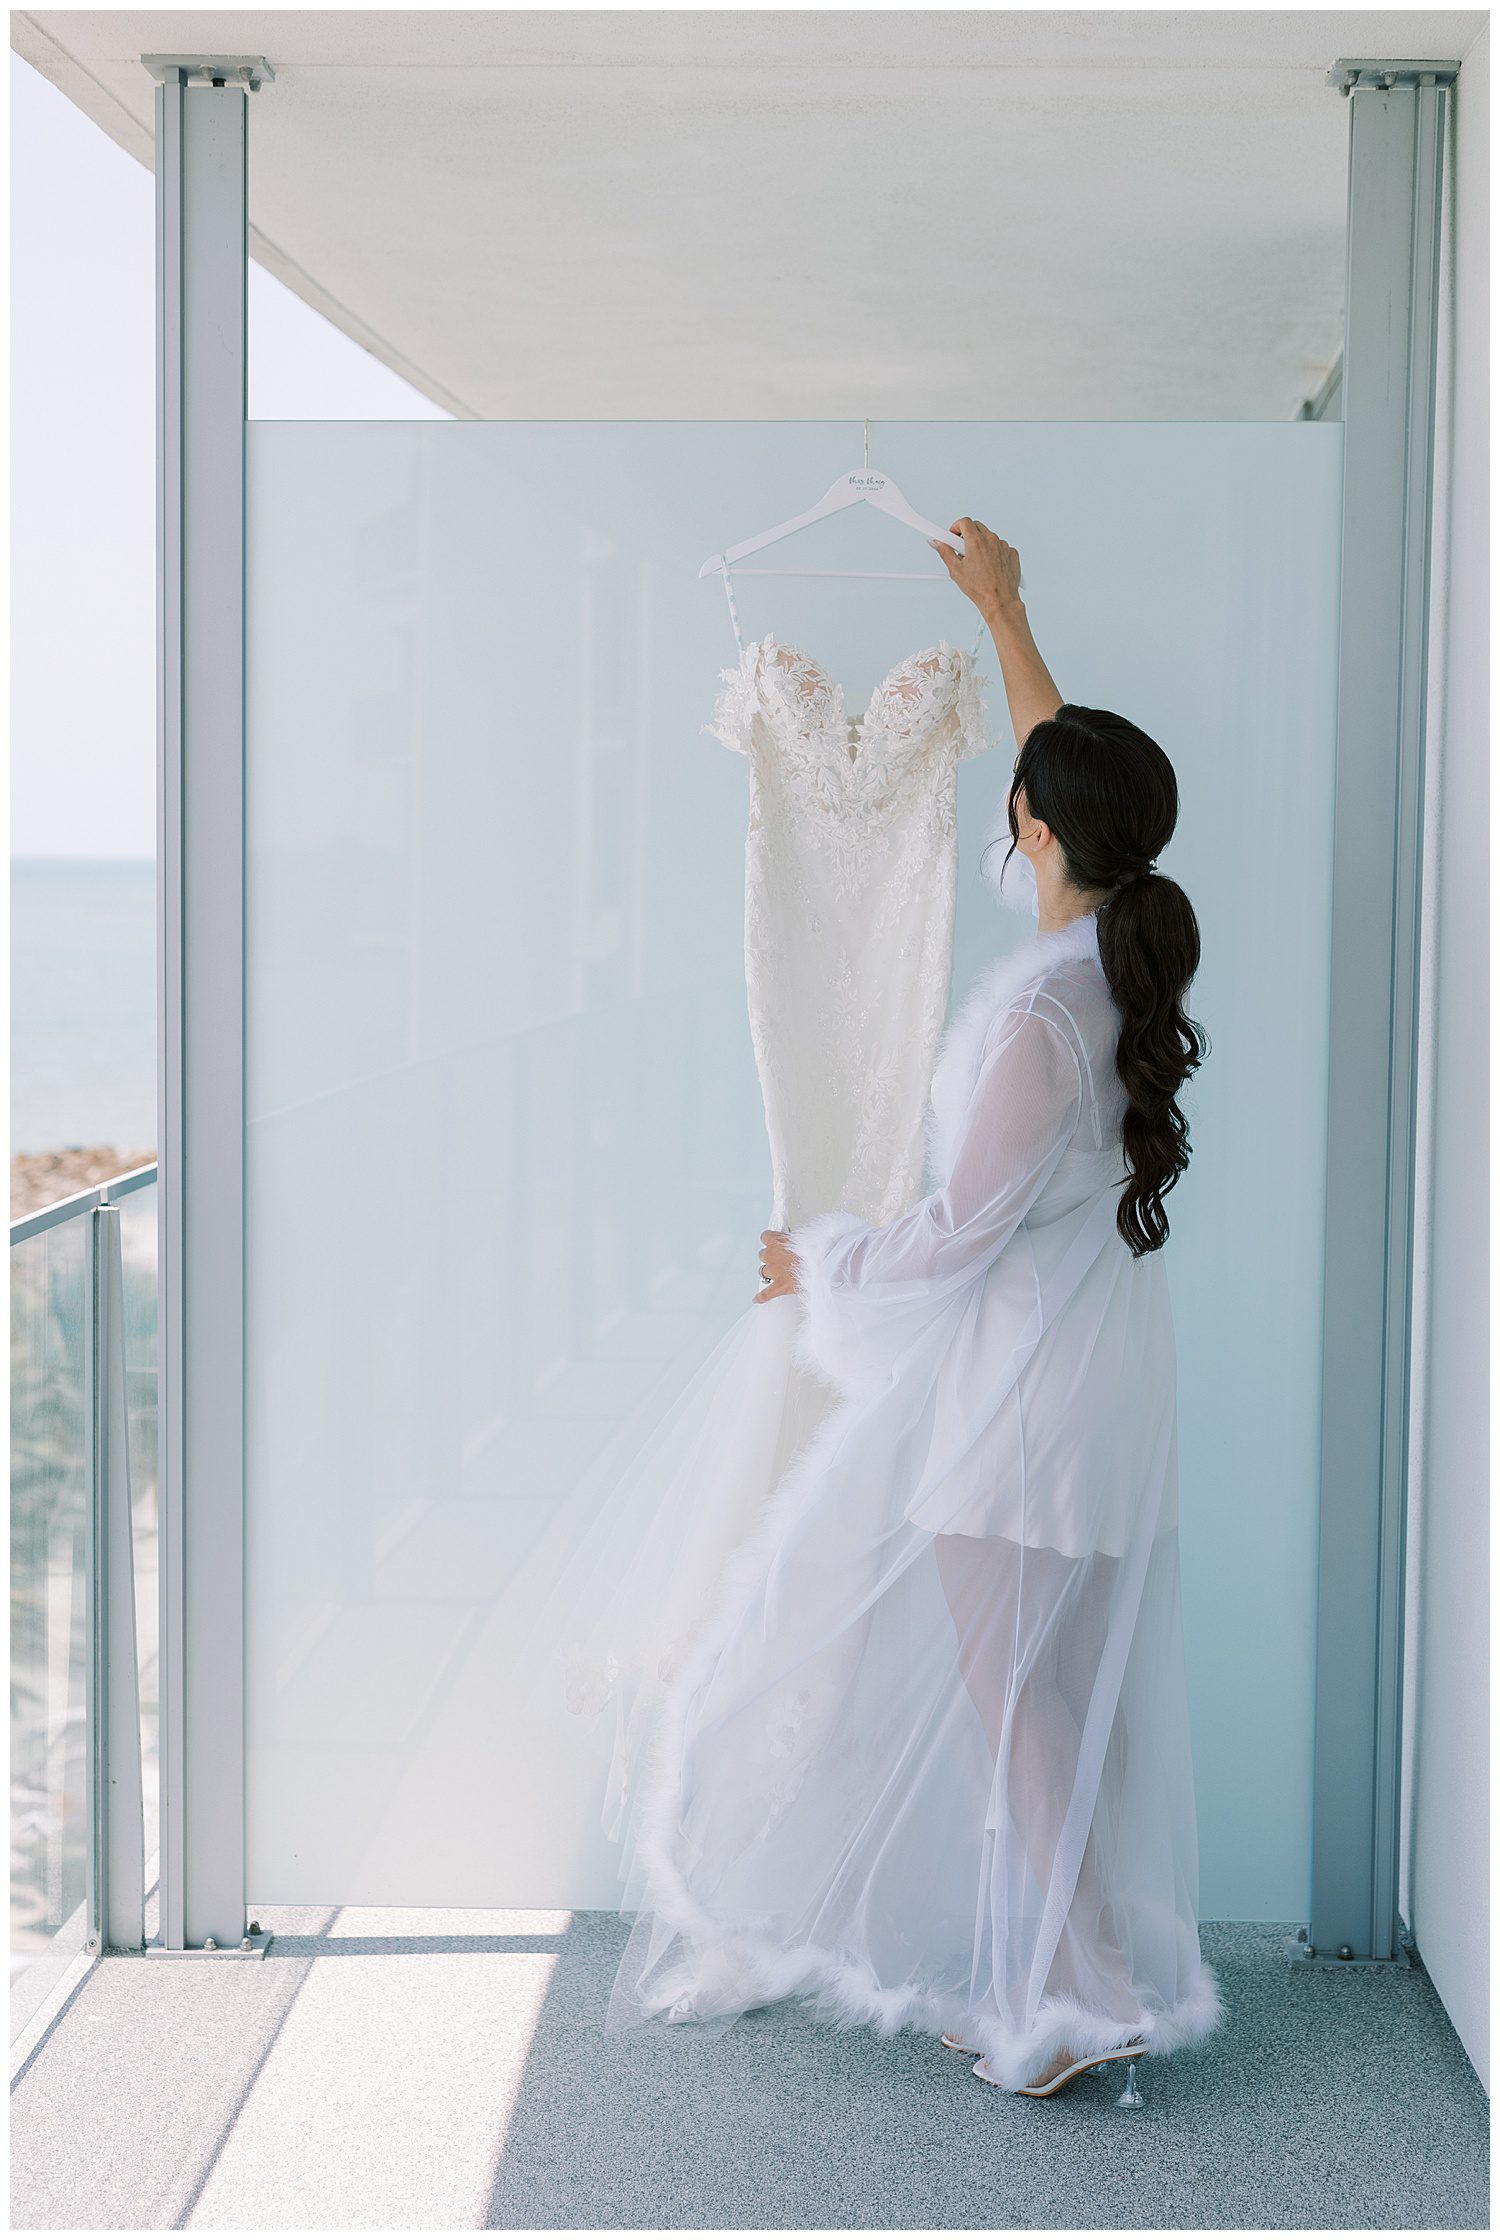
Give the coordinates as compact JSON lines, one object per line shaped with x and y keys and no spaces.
{"x":1073,"y":214}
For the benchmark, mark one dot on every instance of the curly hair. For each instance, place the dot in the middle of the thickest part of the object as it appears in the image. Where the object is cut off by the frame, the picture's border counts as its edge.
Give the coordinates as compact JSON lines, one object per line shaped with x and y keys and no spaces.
{"x":1109,"y":795}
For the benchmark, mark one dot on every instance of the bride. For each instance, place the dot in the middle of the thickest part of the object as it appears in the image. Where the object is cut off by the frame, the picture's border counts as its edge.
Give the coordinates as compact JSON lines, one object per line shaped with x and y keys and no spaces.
{"x":927,"y":1763}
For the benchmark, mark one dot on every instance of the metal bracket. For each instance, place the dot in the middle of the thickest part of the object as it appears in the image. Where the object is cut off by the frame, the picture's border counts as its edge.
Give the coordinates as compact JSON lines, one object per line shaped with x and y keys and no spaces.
{"x":253,"y":1945}
{"x":1381,"y":76}
{"x":247,"y":70}
{"x":1305,"y":1955}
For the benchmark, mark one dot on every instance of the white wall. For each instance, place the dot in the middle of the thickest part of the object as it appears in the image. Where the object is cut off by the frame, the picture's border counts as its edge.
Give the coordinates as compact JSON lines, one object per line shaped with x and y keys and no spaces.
{"x":1446,"y":1879}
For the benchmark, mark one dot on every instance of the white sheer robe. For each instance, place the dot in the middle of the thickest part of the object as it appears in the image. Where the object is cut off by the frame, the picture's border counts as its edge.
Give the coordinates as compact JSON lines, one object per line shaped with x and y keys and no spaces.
{"x":928,"y":1762}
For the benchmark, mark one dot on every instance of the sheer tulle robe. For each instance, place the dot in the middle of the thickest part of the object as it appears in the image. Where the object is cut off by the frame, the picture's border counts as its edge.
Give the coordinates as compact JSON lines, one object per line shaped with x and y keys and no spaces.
{"x":928,"y":1764}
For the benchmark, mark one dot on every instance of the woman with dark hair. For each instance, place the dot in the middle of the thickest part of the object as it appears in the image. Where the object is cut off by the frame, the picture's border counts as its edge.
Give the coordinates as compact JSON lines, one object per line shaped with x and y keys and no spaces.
{"x":1099,"y":800}
{"x":928,"y":1762}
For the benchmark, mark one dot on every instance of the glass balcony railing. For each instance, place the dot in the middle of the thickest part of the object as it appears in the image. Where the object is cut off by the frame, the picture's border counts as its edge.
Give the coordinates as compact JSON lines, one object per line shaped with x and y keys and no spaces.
{"x":82,"y":1325}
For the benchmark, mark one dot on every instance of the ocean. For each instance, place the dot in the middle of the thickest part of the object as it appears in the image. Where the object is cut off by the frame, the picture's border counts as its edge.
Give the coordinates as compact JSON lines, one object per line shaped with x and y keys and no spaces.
{"x":83,"y":1004}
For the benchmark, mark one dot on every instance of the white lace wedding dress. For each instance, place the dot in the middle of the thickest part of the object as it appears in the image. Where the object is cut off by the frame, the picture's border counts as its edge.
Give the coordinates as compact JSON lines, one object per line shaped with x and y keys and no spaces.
{"x":850,"y":874}
{"x":850,"y":868}
{"x":927,"y":1764}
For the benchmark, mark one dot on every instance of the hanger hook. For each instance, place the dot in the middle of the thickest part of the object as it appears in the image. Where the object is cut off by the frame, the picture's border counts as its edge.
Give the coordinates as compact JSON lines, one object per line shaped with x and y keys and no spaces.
{"x":867,"y":444}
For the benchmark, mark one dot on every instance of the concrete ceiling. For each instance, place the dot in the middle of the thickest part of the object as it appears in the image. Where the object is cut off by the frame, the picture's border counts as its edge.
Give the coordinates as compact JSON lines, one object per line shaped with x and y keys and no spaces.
{"x":722,"y":215}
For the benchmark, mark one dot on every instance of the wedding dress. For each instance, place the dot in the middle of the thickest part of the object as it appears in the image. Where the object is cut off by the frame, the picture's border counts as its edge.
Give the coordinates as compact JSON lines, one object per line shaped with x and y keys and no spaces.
{"x":927,"y":1764}
{"x":850,"y":875}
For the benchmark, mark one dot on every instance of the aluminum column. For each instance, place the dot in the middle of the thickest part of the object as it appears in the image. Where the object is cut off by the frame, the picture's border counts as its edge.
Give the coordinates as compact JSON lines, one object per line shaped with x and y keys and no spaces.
{"x":201,"y":217}
{"x":1396,"y":143}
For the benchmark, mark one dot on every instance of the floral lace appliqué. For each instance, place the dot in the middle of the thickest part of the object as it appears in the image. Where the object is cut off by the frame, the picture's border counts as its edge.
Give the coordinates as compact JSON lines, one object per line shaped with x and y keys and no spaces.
{"x":842,"y":766}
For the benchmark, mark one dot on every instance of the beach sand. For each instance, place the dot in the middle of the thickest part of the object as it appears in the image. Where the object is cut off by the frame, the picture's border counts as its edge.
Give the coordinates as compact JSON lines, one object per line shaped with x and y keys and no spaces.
{"x":40,"y":1178}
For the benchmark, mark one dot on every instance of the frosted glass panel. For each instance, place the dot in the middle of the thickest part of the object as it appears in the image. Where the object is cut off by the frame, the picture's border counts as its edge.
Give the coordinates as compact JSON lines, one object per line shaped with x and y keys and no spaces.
{"x":507,"y":1164}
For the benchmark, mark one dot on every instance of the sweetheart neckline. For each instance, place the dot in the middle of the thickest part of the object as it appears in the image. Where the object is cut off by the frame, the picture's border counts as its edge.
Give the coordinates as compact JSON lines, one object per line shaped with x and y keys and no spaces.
{"x":858,"y":723}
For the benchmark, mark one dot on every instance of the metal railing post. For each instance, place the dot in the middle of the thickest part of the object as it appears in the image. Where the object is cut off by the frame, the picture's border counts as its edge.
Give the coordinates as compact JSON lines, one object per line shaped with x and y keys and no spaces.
{"x":116,"y":1836}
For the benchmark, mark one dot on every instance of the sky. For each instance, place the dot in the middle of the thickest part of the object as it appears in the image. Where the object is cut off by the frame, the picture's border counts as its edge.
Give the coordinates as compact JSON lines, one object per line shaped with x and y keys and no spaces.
{"x":83,"y":506}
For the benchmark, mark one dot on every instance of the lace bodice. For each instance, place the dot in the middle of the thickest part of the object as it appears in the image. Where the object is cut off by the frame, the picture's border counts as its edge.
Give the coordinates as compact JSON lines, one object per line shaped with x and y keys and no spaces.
{"x":850,"y":868}
{"x":841,"y":767}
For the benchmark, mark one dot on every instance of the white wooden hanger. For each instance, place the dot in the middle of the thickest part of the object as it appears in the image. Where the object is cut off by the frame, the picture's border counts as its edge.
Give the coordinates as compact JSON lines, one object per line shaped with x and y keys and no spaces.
{"x":862,"y":486}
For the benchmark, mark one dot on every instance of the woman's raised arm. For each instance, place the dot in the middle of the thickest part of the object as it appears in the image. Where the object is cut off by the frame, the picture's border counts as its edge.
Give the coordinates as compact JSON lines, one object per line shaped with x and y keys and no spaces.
{"x":989,"y":573}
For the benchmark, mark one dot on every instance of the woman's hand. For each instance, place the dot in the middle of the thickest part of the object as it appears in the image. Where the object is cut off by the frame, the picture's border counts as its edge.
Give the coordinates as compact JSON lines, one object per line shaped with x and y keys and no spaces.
{"x":988,"y":571}
{"x":778,"y":1265}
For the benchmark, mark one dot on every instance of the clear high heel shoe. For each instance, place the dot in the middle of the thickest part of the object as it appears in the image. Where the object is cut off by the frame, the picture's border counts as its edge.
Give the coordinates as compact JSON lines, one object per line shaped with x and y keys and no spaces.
{"x":1132,"y":2052}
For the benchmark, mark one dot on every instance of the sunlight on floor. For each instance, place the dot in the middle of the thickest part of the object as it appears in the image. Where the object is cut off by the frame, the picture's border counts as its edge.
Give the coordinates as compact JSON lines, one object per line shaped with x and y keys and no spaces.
{"x":388,"y":2093}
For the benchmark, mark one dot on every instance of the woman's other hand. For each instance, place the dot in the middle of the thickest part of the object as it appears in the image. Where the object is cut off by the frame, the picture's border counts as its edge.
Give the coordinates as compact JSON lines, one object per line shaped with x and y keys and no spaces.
{"x":778,"y":1265}
{"x":988,"y":571}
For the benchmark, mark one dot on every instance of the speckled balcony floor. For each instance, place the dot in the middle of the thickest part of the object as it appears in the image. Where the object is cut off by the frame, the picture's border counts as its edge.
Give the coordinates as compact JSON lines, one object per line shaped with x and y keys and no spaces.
{"x":424,"y":2071}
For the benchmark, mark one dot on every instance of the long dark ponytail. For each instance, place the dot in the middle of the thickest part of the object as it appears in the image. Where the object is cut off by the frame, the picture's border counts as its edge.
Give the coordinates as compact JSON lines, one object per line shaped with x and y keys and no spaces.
{"x":1109,"y":795}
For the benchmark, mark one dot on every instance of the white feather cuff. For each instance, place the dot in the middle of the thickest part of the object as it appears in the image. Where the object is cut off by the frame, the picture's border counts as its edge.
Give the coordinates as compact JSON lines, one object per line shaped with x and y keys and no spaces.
{"x":821,"y":1344}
